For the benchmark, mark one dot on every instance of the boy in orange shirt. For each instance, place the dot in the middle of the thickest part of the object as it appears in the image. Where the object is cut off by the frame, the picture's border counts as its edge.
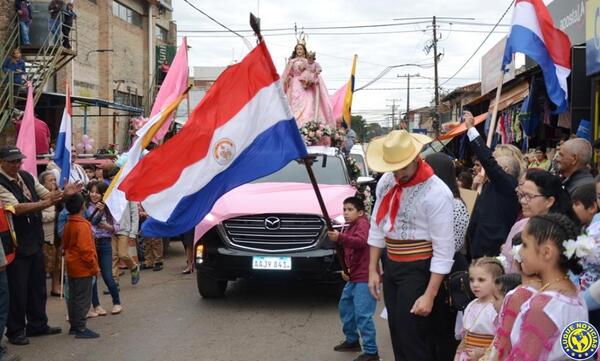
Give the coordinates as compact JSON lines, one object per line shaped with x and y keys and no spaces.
{"x":82,"y":265}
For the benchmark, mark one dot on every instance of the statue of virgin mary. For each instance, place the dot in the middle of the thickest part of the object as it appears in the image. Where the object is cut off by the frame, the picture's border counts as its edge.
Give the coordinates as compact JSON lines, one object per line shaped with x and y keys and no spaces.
{"x":305,"y":89}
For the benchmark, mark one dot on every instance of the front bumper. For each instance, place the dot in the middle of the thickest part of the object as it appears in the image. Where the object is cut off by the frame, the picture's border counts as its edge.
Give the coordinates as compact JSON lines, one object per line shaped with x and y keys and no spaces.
{"x":228,"y":264}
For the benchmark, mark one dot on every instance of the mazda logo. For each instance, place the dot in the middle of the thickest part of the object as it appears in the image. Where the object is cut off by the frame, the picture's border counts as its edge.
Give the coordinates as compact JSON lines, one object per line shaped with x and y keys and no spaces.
{"x":272,"y":223}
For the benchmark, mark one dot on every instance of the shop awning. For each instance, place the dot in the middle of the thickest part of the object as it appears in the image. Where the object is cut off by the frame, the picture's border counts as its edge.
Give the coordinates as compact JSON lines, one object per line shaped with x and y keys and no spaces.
{"x":512,"y":96}
{"x":79,"y":101}
{"x":508,"y":97}
{"x":462,"y":128}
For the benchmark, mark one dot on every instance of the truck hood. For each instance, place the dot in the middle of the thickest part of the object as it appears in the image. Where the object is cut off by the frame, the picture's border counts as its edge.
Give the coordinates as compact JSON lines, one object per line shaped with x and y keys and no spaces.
{"x":261,"y":198}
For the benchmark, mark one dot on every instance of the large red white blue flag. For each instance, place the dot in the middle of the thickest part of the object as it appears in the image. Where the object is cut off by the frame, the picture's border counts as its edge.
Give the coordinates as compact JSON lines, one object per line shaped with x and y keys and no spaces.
{"x":242,"y":130}
{"x":533,"y":34}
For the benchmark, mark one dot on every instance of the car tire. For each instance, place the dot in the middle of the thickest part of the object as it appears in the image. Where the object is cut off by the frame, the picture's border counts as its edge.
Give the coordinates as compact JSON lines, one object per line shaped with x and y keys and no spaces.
{"x":210,"y":287}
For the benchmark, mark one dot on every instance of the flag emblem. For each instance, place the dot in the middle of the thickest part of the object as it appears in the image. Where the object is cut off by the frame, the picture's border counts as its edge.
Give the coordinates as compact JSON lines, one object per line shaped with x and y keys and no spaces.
{"x":224,"y":151}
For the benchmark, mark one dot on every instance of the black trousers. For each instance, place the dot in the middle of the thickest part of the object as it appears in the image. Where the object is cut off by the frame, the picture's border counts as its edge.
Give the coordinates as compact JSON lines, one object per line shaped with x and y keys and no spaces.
{"x":27,"y":292}
{"x":416,"y":338}
{"x":80,"y":299}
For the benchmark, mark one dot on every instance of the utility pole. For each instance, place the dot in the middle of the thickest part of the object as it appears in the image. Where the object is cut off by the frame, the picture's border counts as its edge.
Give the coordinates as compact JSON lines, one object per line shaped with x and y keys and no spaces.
{"x":435,"y":63}
{"x":393,"y":114}
{"x":408,"y":76}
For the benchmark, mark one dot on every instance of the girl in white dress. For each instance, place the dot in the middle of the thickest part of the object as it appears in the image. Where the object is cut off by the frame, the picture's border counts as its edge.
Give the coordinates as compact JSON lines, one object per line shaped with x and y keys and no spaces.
{"x":550,"y":249}
{"x":478,"y":321}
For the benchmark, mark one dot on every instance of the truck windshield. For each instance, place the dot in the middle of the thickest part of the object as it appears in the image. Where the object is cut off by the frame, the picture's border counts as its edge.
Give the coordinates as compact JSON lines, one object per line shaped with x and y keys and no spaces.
{"x":334,"y":172}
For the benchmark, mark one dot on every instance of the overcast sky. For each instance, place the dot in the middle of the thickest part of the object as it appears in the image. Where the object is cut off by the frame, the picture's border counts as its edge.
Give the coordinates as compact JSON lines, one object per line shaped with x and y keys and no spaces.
{"x":334,"y":52}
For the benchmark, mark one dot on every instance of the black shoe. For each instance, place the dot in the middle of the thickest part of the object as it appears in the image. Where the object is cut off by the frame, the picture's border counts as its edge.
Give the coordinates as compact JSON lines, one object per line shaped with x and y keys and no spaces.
{"x":346,"y":346}
{"x":146,"y":266}
{"x":158,"y":267}
{"x":19,"y":340}
{"x":48,"y":331}
{"x":72,"y":331}
{"x":367,"y":357}
{"x":86,"y":333}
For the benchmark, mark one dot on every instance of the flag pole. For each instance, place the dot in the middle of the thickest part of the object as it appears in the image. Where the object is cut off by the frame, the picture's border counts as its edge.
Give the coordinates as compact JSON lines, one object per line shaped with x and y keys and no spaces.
{"x":495,"y":110}
{"x":255,"y":25}
{"x":338,"y":247}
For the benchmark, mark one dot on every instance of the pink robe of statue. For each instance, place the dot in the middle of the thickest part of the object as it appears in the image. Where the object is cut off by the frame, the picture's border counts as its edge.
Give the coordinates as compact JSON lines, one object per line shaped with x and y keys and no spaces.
{"x":302,"y":98}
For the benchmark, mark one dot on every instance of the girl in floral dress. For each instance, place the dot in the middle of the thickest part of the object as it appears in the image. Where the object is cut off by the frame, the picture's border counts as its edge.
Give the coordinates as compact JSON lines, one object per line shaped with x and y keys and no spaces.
{"x":478,"y":320}
{"x":550,"y":249}
{"x":511,"y":306}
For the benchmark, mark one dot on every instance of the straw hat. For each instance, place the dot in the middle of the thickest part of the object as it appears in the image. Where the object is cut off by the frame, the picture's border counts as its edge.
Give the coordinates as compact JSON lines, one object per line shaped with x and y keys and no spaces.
{"x":395,"y":150}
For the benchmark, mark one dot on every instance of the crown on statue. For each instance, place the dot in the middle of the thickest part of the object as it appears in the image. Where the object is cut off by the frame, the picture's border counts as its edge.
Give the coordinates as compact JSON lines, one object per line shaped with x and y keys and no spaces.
{"x":301,"y":39}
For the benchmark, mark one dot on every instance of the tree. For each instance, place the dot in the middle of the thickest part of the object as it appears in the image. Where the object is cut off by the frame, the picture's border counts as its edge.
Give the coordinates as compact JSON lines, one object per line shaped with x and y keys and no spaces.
{"x":359,"y":125}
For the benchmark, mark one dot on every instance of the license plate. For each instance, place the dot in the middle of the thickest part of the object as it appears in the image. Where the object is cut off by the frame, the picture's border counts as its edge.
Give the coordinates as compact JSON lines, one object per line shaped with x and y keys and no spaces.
{"x":272,"y":263}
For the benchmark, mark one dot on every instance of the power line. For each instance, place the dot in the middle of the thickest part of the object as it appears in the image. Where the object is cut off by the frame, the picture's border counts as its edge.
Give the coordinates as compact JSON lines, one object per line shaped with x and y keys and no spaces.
{"x":263,"y":31}
{"x":387,"y":70}
{"x":311,"y":27}
{"x":482,"y":43}
{"x":219,"y":23}
{"x":351,"y":33}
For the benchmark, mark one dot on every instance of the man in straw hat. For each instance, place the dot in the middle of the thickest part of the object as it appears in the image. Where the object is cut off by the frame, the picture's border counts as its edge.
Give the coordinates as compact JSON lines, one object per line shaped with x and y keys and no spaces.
{"x":412,"y":219}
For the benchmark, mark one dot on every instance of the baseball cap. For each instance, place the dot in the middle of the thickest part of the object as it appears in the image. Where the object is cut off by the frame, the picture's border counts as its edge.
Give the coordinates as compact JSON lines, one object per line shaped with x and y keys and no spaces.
{"x":10,"y":153}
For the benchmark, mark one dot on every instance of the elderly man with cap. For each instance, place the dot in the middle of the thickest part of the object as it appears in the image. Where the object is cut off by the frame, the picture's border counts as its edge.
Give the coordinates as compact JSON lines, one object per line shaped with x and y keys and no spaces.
{"x":412,"y":219}
{"x":26,"y":275}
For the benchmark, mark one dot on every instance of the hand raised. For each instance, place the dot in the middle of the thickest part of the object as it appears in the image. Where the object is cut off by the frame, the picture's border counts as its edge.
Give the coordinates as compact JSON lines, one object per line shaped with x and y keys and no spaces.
{"x":72,"y":188}
{"x":469,"y":120}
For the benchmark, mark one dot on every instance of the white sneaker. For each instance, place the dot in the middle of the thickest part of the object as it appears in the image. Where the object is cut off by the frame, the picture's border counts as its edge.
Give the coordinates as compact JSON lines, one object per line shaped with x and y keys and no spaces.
{"x":116,"y":309}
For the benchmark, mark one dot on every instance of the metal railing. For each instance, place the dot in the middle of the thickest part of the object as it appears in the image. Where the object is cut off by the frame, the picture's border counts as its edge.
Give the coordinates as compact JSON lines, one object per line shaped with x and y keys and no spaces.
{"x":50,"y":57}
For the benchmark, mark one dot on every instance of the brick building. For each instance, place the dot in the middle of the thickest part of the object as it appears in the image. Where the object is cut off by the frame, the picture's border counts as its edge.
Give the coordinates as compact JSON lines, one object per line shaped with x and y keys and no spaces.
{"x":113,"y":74}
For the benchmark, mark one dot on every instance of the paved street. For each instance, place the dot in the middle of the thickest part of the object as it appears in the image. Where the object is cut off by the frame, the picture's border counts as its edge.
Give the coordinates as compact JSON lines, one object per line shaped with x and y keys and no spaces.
{"x":164,"y":318}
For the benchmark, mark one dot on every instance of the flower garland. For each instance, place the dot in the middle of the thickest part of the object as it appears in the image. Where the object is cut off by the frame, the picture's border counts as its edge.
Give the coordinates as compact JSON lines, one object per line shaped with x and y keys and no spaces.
{"x":313,"y":132}
{"x":338,"y":138}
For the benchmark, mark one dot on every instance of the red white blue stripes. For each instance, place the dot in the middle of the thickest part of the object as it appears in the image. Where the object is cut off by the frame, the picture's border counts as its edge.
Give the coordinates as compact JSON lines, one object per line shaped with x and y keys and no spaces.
{"x":242,"y":130}
{"x":533,"y":34}
{"x":62,"y":157}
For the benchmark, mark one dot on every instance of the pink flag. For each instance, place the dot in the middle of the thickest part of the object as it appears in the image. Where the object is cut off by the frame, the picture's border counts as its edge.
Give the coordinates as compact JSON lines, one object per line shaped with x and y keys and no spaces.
{"x":337,"y":102}
{"x":26,"y":137}
{"x":172,"y":87}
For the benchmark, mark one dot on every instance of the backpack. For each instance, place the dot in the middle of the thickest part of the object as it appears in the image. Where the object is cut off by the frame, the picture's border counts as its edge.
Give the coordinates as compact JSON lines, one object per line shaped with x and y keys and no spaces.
{"x":7,"y":233}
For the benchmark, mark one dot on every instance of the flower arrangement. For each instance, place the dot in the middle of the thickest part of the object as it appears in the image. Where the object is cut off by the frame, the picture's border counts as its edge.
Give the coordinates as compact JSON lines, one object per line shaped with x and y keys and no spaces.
{"x":364,"y":193}
{"x":313,"y":132}
{"x":353,"y":168}
{"x":586,"y":247}
{"x":338,"y":138}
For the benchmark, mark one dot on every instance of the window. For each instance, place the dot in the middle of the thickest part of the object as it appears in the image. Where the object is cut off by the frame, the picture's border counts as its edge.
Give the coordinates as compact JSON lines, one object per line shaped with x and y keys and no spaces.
{"x":162,"y":34}
{"x":127,"y":14}
{"x":130,"y":99}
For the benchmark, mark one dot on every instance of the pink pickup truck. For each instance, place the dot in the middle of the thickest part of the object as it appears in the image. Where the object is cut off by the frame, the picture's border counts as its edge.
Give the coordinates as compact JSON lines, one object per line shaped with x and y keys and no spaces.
{"x":274,"y":226}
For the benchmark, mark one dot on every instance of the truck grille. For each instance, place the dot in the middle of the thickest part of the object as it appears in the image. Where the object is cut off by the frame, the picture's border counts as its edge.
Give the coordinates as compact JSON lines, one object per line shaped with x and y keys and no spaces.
{"x":274,"y":232}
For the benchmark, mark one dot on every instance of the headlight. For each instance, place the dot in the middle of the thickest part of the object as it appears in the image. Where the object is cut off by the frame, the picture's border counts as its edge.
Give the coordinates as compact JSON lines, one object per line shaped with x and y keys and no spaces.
{"x":199,"y":251}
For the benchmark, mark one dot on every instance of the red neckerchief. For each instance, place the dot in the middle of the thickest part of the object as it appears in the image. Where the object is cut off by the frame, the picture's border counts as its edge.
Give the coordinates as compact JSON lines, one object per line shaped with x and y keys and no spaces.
{"x":391,"y":201}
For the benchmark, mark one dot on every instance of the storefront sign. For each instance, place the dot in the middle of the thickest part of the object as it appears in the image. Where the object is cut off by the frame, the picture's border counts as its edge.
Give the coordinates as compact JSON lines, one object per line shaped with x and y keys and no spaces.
{"x":592,"y":33}
{"x":491,"y":68}
{"x":165,"y":53}
{"x":569,"y":16}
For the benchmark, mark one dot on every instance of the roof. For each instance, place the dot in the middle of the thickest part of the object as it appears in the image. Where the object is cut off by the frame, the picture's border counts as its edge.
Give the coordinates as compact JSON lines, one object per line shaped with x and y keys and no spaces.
{"x":470,"y":88}
{"x":95,"y":102}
